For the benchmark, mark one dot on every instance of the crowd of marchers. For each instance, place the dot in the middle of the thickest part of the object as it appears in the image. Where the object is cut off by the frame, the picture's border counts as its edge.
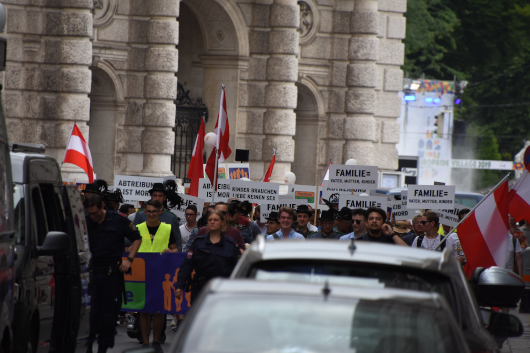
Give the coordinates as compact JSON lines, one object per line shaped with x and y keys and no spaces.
{"x":214,"y":242}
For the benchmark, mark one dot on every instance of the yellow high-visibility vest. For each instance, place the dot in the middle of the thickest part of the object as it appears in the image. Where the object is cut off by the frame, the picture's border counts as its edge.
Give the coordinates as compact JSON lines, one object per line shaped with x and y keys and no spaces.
{"x":160,"y":241}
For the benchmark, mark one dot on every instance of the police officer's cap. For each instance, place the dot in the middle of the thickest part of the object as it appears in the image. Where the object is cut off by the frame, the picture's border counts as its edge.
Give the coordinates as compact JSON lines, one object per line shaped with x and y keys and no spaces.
{"x":304,"y":209}
{"x":158,"y":187}
{"x":345,"y":213}
{"x":273,"y":216}
{"x":327,"y":215}
{"x":91,"y":188}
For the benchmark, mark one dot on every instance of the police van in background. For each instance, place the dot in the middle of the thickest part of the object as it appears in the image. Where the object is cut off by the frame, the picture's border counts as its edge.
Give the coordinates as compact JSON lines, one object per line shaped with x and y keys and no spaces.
{"x":52,"y":305}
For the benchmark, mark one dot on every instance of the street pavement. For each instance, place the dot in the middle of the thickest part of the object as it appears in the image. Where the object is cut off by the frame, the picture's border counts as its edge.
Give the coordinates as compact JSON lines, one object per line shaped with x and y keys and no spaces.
{"x":519,"y":344}
{"x":123,"y":342}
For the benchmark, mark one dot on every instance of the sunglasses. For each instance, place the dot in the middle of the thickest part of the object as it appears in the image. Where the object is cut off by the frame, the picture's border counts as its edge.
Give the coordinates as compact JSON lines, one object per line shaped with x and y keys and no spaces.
{"x":424,"y":222}
{"x":358,"y":221}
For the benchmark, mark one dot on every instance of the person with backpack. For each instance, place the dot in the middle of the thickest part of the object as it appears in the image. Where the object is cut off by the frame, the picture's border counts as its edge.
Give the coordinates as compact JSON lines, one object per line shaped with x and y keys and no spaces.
{"x":430,"y":223}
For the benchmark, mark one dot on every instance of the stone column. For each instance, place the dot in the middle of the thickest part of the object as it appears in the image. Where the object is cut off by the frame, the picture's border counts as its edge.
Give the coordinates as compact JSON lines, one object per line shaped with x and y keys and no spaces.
{"x":360,"y":125}
{"x":279,"y":121}
{"x":47,"y":77}
{"x":160,"y":88}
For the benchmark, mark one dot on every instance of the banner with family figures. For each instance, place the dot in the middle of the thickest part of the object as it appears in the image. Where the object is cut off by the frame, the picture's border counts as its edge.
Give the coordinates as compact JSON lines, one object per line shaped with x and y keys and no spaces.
{"x":150,"y":285}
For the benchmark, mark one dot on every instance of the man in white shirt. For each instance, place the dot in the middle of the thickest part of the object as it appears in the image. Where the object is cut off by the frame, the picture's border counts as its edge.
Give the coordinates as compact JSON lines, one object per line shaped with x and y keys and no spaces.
{"x":186,"y":228}
{"x":286,"y":217}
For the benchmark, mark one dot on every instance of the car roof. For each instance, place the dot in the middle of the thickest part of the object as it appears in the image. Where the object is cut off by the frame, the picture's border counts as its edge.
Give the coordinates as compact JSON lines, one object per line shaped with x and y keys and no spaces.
{"x":249,"y":286}
{"x":20,"y":162}
{"x":365,"y":251}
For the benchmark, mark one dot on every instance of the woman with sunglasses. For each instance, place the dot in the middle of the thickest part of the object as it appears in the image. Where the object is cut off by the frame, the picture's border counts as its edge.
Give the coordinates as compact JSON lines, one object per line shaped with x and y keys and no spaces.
{"x":210,"y":255}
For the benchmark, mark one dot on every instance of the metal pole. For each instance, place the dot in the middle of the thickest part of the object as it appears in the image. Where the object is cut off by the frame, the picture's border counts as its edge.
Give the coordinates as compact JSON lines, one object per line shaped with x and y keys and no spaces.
{"x":473,"y":209}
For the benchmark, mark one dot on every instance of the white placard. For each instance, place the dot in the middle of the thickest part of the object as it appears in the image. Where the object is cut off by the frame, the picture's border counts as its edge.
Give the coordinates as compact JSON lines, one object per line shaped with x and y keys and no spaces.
{"x":135,"y":188}
{"x":255,"y":191}
{"x":400,"y":211}
{"x":353,"y":176}
{"x":342,"y":190}
{"x":432,"y":197}
{"x":267,"y":208}
{"x":364,"y":202}
{"x":186,"y":201}
{"x":449,"y":217}
{"x":206,"y":190}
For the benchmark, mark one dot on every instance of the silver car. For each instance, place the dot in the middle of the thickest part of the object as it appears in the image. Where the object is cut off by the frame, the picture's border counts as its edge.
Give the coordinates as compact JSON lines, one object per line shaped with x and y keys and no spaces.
{"x":371,"y":265}
{"x":254,"y":316}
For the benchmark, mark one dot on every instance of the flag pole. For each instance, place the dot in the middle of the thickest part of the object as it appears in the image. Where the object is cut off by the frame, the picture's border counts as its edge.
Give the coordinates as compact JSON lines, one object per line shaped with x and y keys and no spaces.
{"x":317,"y":195}
{"x":64,"y":157}
{"x":473,"y":209}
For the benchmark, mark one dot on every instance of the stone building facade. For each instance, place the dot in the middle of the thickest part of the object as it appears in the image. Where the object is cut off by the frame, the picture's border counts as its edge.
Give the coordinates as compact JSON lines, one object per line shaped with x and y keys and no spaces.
{"x":313,"y":79}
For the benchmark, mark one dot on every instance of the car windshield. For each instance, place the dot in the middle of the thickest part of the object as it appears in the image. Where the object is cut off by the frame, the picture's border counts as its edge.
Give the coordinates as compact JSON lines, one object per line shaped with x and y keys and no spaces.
{"x":233,"y":323}
{"x":355,"y":274}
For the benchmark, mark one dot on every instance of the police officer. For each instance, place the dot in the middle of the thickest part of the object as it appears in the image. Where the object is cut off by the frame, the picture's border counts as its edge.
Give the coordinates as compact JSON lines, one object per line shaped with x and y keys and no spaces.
{"x":327,"y":220}
{"x":106,"y":233}
{"x":211,"y":255}
{"x":303,"y":215}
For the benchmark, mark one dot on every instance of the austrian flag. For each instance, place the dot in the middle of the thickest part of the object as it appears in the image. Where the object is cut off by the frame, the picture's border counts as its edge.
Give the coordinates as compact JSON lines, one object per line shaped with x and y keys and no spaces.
{"x":520,"y":198}
{"x":78,"y":153}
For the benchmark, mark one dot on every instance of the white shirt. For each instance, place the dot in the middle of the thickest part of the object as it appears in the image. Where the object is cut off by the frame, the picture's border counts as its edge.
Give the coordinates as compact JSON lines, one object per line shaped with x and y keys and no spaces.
{"x":185,"y":235}
{"x":429,"y":244}
{"x":453,"y":243}
{"x":264,"y":229}
{"x":510,"y":253}
{"x":311,"y":227}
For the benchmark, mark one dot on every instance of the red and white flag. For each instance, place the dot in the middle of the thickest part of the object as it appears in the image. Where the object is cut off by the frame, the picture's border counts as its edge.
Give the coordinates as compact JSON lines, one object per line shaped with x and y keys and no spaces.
{"x":520,"y":198}
{"x":222,"y":131}
{"x":78,"y":153}
{"x":267,"y":176}
{"x":483,"y":234}
{"x":326,"y":177}
{"x":195,"y":172}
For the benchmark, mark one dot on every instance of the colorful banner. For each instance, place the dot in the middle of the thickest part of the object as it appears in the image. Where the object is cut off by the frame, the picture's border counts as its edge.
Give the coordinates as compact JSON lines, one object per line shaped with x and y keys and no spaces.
{"x":150,"y":285}
{"x":238,"y":170}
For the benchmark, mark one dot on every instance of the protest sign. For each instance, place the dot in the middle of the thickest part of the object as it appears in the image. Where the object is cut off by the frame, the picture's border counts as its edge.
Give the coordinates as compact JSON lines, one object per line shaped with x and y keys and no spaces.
{"x":238,"y":170}
{"x":267,"y":208}
{"x":449,"y":217}
{"x":206,"y":190}
{"x":286,"y":197}
{"x":254,"y":191}
{"x":364,"y":202}
{"x":343,"y":190}
{"x":400,"y":211}
{"x":353,"y":176}
{"x":135,"y":188}
{"x":305,"y":192}
{"x":432,"y":197}
{"x":186,"y":201}
{"x":149,"y":287}
{"x":221,"y":171}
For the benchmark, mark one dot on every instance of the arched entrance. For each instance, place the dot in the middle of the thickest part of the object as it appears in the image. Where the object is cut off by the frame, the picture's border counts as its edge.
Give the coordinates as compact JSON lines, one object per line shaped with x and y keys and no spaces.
{"x":102,"y":124}
{"x":306,"y":138}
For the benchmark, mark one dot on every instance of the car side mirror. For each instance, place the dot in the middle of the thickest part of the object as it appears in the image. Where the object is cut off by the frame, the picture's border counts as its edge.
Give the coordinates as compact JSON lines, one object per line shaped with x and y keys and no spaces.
{"x":504,"y":325}
{"x":55,"y":243}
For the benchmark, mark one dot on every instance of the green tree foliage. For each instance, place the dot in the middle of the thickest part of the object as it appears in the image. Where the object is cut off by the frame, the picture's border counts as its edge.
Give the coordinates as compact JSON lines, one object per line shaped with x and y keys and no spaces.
{"x":485,"y":42}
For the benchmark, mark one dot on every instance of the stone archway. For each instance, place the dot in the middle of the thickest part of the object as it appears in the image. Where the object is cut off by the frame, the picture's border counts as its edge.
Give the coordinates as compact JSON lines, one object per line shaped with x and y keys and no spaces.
{"x":306,"y":139}
{"x":102,"y":124}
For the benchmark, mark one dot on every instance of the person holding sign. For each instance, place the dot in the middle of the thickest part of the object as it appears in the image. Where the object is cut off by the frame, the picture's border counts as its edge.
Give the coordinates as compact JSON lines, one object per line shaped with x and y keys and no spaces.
{"x":303,"y":215}
{"x":378,"y":230}
{"x":156,"y":238}
{"x":159,"y":192}
{"x":286,"y":218}
{"x":432,"y":238}
{"x":327,"y":221}
{"x":210,"y":255}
